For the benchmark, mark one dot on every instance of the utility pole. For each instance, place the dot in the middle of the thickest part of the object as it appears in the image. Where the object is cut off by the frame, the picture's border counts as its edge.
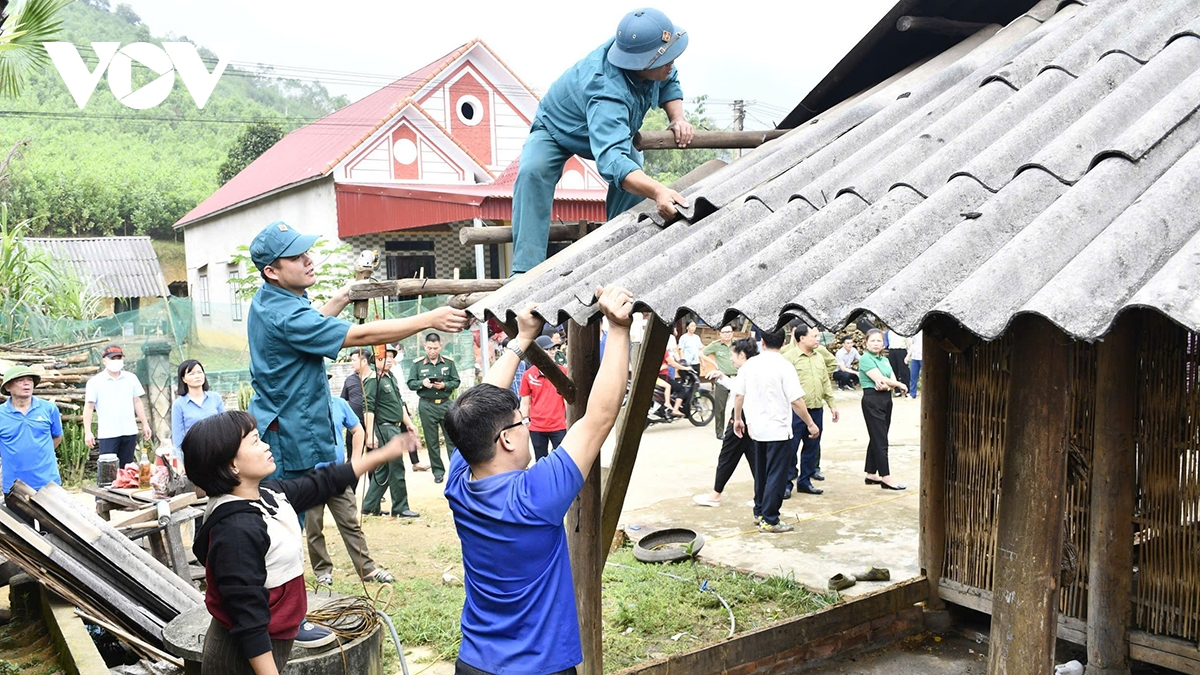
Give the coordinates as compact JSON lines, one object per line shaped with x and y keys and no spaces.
{"x":739,"y":119}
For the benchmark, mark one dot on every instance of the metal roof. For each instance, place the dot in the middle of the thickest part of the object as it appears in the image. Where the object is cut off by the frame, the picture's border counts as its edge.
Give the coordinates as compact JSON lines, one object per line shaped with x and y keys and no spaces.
{"x":117,"y":267}
{"x":1051,"y":167}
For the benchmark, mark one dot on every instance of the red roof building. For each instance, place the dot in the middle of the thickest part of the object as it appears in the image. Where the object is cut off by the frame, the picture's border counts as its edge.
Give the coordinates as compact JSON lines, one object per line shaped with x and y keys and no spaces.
{"x":401,"y":171}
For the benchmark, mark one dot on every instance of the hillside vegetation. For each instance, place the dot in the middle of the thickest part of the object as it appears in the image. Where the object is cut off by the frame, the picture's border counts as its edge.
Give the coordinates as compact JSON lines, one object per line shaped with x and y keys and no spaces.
{"x":108,"y":169}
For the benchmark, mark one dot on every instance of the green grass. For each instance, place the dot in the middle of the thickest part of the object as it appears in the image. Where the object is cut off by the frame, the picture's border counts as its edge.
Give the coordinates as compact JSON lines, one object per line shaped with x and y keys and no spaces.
{"x":171,"y":259}
{"x":646,"y":615}
{"x":26,"y":648}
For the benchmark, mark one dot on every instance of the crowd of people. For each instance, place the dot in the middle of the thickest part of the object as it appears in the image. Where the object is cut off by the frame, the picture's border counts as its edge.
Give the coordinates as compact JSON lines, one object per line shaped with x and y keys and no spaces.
{"x":782,"y":398}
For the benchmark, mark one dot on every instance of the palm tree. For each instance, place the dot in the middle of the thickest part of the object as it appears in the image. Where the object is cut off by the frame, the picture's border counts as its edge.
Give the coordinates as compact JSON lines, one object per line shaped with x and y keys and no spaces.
{"x":21,"y":38}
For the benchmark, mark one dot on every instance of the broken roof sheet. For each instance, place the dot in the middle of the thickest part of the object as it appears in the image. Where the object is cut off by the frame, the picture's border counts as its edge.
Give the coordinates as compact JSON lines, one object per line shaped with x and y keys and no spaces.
{"x":115,"y":267}
{"x":1049,"y":167}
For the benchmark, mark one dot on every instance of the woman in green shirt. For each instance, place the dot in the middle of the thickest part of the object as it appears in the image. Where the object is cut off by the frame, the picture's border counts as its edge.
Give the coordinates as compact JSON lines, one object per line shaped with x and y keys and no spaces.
{"x":875,"y":375}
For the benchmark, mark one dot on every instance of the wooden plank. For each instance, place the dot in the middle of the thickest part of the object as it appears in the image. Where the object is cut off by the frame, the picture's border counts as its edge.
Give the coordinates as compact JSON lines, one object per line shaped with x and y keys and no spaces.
{"x":1164,"y":651}
{"x":1069,"y":628}
{"x":743,"y":652}
{"x":583,"y":520}
{"x":150,"y":513}
{"x":631,"y":424}
{"x":538,"y":357}
{"x":647,"y":139}
{"x":1114,"y":464}
{"x":1029,"y":518}
{"x":936,"y":25}
{"x":502,"y":234}
{"x":935,"y":406}
{"x":465,"y":300}
{"x":111,"y":497}
{"x":365,"y":290}
{"x":178,"y":592}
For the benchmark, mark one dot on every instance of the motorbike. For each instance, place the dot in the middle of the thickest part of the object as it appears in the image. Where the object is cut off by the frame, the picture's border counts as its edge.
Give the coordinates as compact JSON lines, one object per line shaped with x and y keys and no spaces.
{"x":698,"y":405}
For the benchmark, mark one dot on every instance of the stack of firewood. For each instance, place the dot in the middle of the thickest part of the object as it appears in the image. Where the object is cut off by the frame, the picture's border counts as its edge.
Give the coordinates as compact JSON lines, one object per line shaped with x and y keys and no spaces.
{"x":63,"y":368}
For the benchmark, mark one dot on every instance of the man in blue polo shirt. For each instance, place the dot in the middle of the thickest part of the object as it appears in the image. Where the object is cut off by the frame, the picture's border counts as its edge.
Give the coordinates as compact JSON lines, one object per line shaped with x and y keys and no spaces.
{"x":30,"y":430}
{"x":519,"y":615}
{"x":290,"y":340}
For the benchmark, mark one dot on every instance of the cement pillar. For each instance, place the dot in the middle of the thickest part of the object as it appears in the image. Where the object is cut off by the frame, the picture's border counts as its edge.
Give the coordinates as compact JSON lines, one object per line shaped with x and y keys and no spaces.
{"x":160,"y":387}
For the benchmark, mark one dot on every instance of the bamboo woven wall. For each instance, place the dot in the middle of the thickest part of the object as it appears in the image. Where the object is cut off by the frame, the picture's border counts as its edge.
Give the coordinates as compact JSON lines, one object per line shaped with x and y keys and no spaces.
{"x":978,"y":407}
{"x":1076,"y":532}
{"x":1167,"y":586}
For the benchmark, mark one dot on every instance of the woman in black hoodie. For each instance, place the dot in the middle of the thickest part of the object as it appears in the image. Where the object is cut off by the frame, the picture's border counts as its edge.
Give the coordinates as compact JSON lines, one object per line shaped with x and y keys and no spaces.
{"x":251,"y":543}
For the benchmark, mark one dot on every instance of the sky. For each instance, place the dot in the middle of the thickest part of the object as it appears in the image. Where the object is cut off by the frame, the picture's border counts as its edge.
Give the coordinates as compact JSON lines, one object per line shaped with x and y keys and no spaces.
{"x":769,"y":54}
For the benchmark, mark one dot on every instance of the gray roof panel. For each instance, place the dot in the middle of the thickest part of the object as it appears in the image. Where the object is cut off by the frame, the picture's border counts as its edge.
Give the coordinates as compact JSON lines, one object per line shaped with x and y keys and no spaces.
{"x":1049,"y":168}
{"x":115,"y":267}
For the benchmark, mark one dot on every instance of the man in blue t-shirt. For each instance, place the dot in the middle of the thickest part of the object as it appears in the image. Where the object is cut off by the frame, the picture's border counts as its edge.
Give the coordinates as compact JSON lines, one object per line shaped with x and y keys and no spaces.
{"x":30,"y":431}
{"x":519,"y":615}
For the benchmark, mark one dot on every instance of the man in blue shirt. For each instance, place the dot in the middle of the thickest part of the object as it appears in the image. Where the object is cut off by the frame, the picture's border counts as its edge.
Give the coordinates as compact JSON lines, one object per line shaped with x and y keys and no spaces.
{"x":593,"y":110}
{"x":343,"y":508}
{"x":30,"y":431}
{"x":290,"y":339}
{"x":519,"y":615}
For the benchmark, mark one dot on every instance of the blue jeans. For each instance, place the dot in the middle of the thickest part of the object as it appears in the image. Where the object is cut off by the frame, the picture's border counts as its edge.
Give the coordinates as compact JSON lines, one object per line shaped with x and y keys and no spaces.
{"x":806,"y":451}
{"x":545,"y":441}
{"x":542,"y":161}
{"x":914,"y":367}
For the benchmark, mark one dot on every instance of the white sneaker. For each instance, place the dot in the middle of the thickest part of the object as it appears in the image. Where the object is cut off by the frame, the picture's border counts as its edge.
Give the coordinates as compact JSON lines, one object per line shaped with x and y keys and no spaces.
{"x":703,"y":500}
{"x":750,"y":503}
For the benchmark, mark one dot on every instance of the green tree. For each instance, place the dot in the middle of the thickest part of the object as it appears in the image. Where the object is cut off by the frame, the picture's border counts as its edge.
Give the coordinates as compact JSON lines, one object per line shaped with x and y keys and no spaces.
{"x":254,"y":140}
{"x":667,"y":166}
{"x":331,"y":269}
{"x":21,"y":38}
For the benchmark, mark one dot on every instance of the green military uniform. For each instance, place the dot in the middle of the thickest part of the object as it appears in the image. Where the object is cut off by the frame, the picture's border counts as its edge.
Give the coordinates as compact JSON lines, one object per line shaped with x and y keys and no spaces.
{"x":723,"y":355}
{"x":434,"y":404}
{"x":381,"y":397}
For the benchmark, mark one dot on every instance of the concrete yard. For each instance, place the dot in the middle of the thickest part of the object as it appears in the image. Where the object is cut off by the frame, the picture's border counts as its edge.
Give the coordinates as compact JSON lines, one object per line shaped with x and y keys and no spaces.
{"x":849,"y":528}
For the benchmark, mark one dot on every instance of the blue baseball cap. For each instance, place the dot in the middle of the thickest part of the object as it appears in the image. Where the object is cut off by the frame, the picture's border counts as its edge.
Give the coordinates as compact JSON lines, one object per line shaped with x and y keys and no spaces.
{"x":279,"y":240}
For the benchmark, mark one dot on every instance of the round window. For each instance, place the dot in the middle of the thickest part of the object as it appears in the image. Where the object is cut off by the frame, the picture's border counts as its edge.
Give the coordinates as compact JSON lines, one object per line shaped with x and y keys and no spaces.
{"x":405,"y":151}
{"x":470,"y":110}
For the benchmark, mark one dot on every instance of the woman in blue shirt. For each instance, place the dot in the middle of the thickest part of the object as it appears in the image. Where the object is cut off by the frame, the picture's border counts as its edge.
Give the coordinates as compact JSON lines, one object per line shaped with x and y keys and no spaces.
{"x":195,"y":402}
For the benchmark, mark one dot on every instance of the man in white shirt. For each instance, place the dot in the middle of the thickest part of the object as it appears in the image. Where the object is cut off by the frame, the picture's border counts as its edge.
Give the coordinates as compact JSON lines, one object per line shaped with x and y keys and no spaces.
{"x":690,"y":346}
{"x":846,"y":376}
{"x":115,"y":396}
{"x":767,"y":391}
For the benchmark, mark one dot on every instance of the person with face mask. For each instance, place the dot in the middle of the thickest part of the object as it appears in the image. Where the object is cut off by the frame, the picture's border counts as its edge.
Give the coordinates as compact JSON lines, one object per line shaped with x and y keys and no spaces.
{"x":115,"y":397}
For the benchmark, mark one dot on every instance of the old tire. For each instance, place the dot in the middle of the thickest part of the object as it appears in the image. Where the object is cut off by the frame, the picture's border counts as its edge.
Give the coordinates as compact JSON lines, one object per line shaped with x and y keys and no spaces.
{"x":669,"y":545}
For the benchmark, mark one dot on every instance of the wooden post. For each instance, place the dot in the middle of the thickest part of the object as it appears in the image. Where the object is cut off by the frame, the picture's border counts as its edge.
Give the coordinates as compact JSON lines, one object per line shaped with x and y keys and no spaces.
{"x":631,"y":424}
{"x":583,"y":520}
{"x":935,"y":405}
{"x":1030,"y":514}
{"x":1114,"y":464}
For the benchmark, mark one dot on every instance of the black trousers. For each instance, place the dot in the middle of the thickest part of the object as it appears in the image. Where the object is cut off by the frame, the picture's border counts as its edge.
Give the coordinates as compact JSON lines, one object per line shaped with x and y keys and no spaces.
{"x":545,"y":441}
{"x":123,"y":447}
{"x":899,"y":367}
{"x":877,"y":413}
{"x":732,"y":450}
{"x":845,"y":379}
{"x":772,"y":462}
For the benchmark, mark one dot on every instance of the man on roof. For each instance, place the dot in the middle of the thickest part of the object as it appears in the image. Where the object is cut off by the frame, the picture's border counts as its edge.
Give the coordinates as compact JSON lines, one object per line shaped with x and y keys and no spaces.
{"x":593,"y":110}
